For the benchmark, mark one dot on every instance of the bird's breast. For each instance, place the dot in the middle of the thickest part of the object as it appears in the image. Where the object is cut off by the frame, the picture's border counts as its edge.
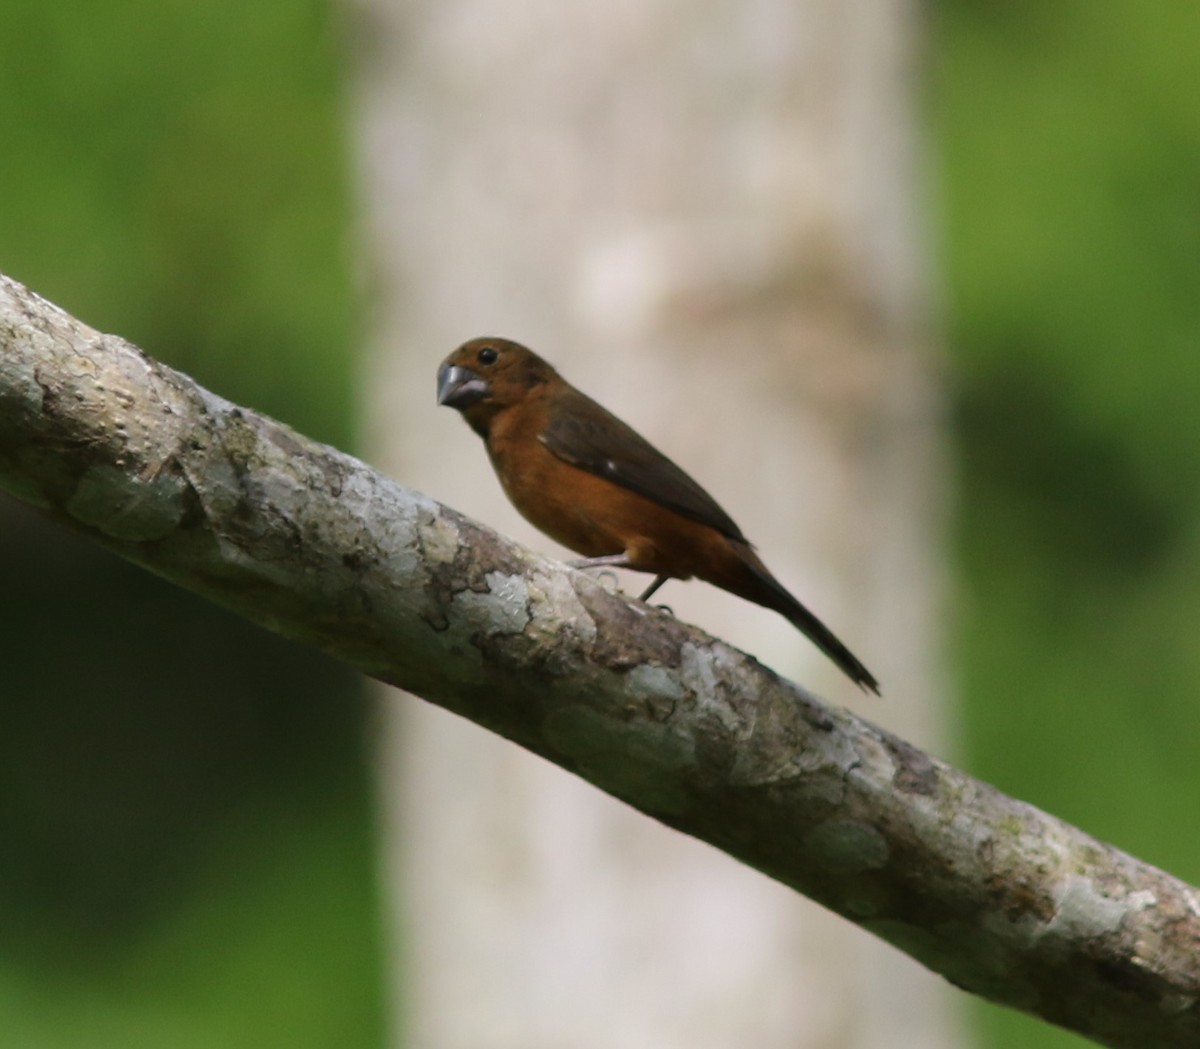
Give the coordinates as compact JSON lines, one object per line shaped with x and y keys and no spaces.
{"x":566,"y":503}
{"x":594,"y":516}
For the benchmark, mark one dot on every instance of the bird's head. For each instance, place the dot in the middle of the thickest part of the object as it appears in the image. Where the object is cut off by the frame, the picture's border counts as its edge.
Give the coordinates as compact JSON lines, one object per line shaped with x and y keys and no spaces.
{"x":486,"y":375}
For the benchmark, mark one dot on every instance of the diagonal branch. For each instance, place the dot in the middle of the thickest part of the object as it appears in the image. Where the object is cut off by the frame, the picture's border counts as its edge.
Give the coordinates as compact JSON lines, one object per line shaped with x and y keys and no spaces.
{"x":1000,"y":898}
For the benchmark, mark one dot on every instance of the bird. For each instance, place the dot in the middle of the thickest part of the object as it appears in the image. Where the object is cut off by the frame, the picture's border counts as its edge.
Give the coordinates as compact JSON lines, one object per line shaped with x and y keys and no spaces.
{"x":590,"y":482}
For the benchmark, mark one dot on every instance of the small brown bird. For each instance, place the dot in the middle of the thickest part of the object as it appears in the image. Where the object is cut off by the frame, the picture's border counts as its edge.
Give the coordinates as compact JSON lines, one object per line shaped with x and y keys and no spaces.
{"x":587,"y":480}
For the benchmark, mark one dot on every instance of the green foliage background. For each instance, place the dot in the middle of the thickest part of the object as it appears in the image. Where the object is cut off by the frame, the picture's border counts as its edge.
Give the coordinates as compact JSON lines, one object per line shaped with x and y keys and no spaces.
{"x":184,"y":802}
{"x":1069,"y":145}
{"x":183,"y":799}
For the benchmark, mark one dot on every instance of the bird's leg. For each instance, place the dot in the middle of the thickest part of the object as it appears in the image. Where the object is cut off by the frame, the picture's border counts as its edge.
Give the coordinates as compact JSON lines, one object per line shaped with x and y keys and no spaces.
{"x":649,"y":592}
{"x":607,"y":561}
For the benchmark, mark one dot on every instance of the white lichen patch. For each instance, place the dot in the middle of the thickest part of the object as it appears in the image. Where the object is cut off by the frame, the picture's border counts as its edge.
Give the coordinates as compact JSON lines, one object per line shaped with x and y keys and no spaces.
{"x":1084,"y":911}
{"x":381,"y":518}
{"x":1142,"y":900}
{"x":553,"y":600}
{"x":439,"y":538}
{"x":504,"y":609}
{"x":280,"y":488}
{"x":698,"y":674}
{"x":654,"y":685}
{"x":1149,"y":944}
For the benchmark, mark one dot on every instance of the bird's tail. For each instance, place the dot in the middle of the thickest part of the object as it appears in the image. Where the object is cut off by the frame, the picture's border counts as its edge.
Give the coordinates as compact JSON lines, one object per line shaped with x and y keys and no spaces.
{"x":767,"y":590}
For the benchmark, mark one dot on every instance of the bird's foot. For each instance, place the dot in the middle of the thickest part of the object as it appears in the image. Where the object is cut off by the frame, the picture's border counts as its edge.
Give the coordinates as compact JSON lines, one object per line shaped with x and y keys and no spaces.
{"x":607,"y":561}
{"x":609,"y":579}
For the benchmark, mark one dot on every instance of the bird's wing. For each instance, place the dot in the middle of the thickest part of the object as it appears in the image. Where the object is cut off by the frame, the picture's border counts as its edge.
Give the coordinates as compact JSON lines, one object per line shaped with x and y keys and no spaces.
{"x":588,"y":436}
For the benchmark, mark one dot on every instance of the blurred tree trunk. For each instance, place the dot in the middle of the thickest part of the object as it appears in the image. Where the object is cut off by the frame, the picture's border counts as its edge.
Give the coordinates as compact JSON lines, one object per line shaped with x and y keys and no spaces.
{"x":704,"y":215}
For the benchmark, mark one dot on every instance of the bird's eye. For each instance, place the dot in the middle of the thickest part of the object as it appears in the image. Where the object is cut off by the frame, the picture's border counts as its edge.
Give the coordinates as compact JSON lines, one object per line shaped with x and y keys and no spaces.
{"x":488,"y":355}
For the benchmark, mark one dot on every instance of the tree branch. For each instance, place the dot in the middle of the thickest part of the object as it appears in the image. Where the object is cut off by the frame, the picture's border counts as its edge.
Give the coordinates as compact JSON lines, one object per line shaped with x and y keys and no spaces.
{"x":1000,"y":898}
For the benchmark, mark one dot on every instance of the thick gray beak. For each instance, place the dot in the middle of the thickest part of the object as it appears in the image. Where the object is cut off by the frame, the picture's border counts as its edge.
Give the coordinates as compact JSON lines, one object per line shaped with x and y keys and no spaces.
{"x":460,"y":387}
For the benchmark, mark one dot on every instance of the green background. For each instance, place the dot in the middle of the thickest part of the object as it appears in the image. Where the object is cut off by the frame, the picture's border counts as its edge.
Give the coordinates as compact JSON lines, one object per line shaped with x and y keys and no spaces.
{"x":1068,"y":141}
{"x":185,"y":811}
{"x":184,"y":800}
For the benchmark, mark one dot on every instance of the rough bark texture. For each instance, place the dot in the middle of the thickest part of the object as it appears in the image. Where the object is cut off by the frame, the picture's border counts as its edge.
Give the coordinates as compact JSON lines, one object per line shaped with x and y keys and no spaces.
{"x":1003,"y":900}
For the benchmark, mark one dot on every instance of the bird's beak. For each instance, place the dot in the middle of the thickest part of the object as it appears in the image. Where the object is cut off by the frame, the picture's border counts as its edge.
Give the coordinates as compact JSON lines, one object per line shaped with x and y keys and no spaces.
{"x":460,"y":387}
